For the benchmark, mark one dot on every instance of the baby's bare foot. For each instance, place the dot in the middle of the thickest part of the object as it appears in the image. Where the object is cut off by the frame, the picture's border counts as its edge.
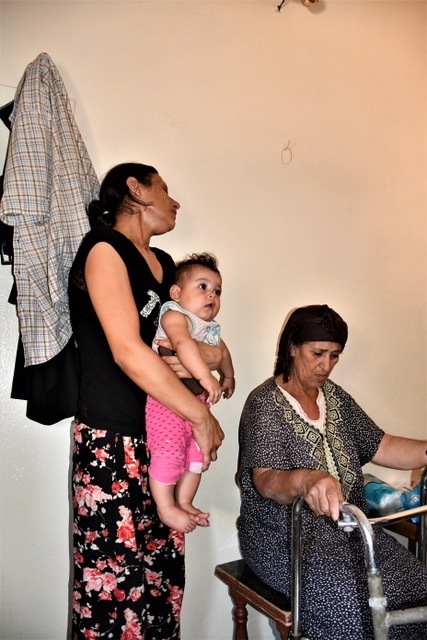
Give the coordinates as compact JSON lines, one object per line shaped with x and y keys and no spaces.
{"x":177,"y":518}
{"x":201,"y":518}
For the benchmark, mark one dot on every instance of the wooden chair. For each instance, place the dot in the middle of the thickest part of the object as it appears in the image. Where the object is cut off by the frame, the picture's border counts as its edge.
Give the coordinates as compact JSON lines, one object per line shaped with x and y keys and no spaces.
{"x":246,"y":589}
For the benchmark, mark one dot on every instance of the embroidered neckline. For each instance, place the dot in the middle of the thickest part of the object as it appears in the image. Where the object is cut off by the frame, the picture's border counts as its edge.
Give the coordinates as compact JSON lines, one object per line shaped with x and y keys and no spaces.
{"x":326,"y":448}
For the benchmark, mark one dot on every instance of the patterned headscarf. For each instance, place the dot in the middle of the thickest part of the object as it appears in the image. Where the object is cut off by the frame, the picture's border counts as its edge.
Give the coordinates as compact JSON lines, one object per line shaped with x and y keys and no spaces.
{"x":314,"y":323}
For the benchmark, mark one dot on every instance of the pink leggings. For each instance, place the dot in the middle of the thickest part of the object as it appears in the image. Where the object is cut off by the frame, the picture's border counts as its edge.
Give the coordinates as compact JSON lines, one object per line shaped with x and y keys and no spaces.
{"x":171,"y":444}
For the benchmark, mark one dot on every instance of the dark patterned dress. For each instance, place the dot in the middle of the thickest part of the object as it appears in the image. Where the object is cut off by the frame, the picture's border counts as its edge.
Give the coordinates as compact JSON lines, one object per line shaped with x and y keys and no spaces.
{"x":128,"y":565}
{"x":335,"y":599}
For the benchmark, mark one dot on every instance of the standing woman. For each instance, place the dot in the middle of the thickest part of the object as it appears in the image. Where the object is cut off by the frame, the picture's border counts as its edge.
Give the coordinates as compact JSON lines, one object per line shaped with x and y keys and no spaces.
{"x":128,"y":566}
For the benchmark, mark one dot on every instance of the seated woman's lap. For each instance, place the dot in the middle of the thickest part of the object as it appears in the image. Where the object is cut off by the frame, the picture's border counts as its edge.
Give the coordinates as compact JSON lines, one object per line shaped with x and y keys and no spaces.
{"x":335,"y":598}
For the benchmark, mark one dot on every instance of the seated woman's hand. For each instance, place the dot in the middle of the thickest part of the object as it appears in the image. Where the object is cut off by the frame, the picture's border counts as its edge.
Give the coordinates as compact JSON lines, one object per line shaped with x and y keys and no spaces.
{"x":322,"y":492}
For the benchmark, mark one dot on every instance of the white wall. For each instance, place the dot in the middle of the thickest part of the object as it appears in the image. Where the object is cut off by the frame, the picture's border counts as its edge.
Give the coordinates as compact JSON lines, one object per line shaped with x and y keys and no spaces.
{"x":211,"y":93}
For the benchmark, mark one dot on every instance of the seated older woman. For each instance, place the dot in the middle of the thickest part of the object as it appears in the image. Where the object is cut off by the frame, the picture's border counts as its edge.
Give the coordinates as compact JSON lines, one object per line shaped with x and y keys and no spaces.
{"x":303,"y":435}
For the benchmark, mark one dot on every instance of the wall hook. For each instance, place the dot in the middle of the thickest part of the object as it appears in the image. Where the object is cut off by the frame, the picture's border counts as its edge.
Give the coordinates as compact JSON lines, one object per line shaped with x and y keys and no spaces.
{"x":286,"y":159}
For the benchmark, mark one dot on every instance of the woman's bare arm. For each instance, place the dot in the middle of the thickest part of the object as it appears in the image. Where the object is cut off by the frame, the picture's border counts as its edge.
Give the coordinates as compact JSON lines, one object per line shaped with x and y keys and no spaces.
{"x":395,"y":452}
{"x":321,"y":491}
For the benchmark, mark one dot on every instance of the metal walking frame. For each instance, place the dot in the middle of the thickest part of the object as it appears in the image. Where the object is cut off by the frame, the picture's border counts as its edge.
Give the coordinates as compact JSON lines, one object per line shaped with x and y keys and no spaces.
{"x":352,"y":518}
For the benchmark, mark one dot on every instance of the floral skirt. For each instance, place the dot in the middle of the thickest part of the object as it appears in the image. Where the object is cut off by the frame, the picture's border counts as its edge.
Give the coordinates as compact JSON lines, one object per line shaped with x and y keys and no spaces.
{"x":128,"y":565}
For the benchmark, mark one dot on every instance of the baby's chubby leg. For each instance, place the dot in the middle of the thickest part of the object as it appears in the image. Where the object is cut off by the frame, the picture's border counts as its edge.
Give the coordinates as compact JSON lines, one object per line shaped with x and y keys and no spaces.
{"x":172,"y":514}
{"x":185,"y":492}
{"x":174,"y":456}
{"x":168,"y":479}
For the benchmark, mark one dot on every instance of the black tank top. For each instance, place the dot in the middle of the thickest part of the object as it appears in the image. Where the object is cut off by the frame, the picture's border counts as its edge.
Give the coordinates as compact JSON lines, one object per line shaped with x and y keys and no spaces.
{"x":108,"y":399}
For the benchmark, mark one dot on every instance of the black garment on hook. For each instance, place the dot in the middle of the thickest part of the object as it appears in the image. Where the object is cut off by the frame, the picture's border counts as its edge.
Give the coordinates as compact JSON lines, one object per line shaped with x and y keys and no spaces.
{"x":6,"y":231}
{"x":6,"y":237}
{"x":50,"y":388}
{"x":6,"y":112}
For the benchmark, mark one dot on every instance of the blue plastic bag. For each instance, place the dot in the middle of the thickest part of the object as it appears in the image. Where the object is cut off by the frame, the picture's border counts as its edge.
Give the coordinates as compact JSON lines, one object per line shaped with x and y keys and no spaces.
{"x":382,"y":499}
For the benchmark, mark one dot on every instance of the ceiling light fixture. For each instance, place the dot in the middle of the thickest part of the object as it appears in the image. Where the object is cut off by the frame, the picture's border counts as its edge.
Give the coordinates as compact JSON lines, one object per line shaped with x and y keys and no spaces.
{"x":306,"y":3}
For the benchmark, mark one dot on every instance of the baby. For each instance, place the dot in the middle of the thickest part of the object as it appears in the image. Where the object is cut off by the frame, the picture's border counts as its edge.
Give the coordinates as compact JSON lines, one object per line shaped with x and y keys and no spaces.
{"x":175,"y":459}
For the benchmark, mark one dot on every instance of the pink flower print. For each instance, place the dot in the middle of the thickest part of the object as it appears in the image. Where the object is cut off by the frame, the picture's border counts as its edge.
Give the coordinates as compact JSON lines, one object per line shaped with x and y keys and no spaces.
{"x":86,"y":478}
{"x":100,"y":433}
{"x":116,"y":564}
{"x":153,"y":578}
{"x":105,"y":595}
{"x":97,"y":580}
{"x":79,"y":557}
{"x":132,"y":465}
{"x":101,"y":454}
{"x":115,"y":487}
{"x":76,"y":604}
{"x":91,"y":536}
{"x":118,"y":487}
{"x":85,"y":612}
{"x":146,"y":524}
{"x":148,"y":560}
{"x":83,"y":511}
{"x":126,"y":529}
{"x":113,"y":564}
{"x":120,"y":595}
{"x":179,"y":540}
{"x":89,"y":496}
{"x":135,"y":594}
{"x":140,"y":556}
{"x":109,"y":582}
{"x":132,"y":628}
{"x":78,"y":477}
{"x":78,"y":428}
{"x":90,"y":634}
{"x":175,"y":598}
{"x":155,"y":593}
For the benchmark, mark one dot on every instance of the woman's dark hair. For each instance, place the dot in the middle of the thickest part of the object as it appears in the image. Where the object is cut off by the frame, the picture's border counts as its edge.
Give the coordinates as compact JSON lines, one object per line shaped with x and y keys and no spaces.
{"x":314,"y":323}
{"x":114,"y":193}
{"x":184,"y":267}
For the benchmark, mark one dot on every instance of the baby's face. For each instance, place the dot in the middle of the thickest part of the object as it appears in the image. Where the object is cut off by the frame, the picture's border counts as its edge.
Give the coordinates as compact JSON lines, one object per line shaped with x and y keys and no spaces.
{"x":200,"y":293}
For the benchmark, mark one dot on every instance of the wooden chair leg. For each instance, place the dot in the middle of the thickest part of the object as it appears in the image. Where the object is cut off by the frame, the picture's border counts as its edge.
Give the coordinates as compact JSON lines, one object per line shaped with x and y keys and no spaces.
{"x":240,"y":616}
{"x":283,"y":630}
{"x":245,"y":590}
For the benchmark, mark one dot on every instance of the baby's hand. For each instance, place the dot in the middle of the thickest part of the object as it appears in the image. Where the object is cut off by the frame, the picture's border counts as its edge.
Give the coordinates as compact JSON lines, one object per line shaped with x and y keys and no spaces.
{"x":212,"y":386}
{"x":228,"y":385}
